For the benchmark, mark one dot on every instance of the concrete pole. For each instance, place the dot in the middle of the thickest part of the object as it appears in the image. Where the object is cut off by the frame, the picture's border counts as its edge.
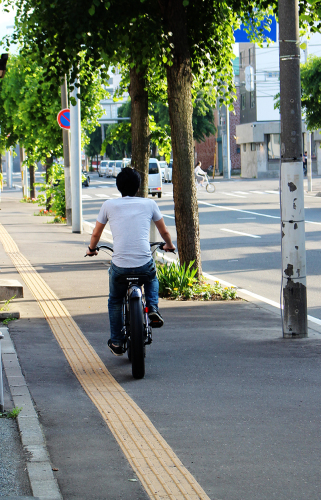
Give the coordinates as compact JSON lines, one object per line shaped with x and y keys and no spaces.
{"x":309,"y":162}
{"x":292,"y":193}
{"x":228,"y":143}
{"x":66,"y":146}
{"x":9,"y":168}
{"x":308,"y":134}
{"x":75,"y":156}
{"x":24,"y":173}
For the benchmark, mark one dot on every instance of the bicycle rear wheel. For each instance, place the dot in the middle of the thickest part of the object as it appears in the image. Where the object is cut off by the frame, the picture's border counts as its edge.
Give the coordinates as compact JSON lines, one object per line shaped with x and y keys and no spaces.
{"x":210,"y":188}
{"x":137,"y":344}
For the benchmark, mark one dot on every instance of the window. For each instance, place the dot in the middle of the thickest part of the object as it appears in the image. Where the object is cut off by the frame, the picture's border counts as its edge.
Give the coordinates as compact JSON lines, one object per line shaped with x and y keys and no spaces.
{"x":252,"y":99}
{"x":243,"y":101}
{"x":244,"y":147}
{"x":153,"y":168}
{"x":241,"y":60}
{"x":114,"y":111}
{"x":251,"y":56}
{"x":238,"y":150}
{"x":273,"y":146}
{"x":253,"y":146}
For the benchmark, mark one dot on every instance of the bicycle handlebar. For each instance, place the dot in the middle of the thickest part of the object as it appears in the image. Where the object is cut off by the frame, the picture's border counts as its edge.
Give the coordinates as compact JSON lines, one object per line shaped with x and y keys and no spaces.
{"x":159,"y":244}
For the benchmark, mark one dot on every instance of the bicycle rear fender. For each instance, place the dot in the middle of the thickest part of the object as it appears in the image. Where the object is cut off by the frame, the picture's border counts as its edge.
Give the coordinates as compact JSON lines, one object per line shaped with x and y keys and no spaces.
{"x":135,"y":292}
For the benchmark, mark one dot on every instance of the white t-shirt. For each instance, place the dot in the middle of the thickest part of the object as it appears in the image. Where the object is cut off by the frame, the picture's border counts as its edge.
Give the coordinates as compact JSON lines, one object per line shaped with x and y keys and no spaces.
{"x":129,"y":219}
{"x":198,"y":171}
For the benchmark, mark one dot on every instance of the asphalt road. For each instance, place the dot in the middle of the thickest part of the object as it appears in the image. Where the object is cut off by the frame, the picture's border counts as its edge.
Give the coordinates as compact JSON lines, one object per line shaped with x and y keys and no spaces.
{"x":240,"y":232}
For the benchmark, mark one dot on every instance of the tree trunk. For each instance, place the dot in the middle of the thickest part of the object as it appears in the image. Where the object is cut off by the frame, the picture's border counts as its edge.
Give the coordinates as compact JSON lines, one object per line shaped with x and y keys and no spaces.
{"x":32,"y":182}
{"x":140,"y":128}
{"x":179,"y":86}
{"x":49,"y":162}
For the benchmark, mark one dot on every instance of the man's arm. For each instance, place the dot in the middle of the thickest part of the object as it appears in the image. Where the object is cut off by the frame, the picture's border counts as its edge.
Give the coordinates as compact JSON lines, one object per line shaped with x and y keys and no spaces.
{"x":95,"y":237}
{"x":163,"y":231}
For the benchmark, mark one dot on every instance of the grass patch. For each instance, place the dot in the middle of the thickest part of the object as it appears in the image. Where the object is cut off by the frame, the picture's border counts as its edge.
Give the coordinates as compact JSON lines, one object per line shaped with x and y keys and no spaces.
{"x":178,"y":282}
{"x":11,"y":414}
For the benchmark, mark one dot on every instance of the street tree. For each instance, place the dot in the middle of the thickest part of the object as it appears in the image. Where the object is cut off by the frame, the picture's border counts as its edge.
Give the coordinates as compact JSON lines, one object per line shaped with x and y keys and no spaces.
{"x":188,"y":41}
{"x":311,"y":92}
{"x":28,"y":112}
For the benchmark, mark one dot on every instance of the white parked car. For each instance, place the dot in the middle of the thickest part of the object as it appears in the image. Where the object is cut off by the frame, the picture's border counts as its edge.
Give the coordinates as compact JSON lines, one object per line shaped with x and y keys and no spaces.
{"x":117,"y":167}
{"x":110,"y":168}
{"x":163,"y":165}
{"x":169,"y":171}
{"x":102,"y":168}
{"x":154,"y":178}
{"x":125,"y":162}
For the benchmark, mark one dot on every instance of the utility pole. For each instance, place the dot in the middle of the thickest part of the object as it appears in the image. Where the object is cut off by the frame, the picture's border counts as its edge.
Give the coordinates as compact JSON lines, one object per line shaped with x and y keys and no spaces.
{"x":75,"y":156}
{"x":225,"y":123}
{"x":308,"y":135}
{"x":292,"y":193}
{"x":66,"y":146}
{"x":9,"y":168}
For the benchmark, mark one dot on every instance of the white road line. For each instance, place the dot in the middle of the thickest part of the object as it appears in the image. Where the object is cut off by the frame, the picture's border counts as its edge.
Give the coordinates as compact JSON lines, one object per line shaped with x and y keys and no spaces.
{"x":238,"y":232}
{"x":258,"y":192}
{"x":272,"y":192}
{"x":168,"y":216}
{"x":238,"y":210}
{"x":100,"y":195}
{"x":241,"y":192}
{"x":317,"y":321}
{"x":168,"y":194}
{"x":86,"y":197}
{"x":116,"y":194}
{"x":232,"y":194}
{"x":246,"y":218}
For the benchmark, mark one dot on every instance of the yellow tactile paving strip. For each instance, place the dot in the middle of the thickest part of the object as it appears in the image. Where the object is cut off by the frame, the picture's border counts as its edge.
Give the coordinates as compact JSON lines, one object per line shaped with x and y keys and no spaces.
{"x":160,"y":471}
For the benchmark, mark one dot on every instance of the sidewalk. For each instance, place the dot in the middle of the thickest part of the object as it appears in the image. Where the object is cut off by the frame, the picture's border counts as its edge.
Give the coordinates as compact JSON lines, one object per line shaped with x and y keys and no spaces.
{"x":234,"y":402}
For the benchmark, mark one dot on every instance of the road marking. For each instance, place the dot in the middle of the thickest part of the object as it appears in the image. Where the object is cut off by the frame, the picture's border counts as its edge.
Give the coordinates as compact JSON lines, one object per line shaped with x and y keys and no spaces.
{"x":168,"y":194}
{"x":238,"y":232}
{"x":86,"y":197}
{"x":116,"y":194}
{"x":232,"y":194}
{"x":160,"y":471}
{"x":100,"y":195}
{"x":168,"y":216}
{"x":241,"y":192}
{"x":246,"y":218}
{"x":238,"y":210}
{"x":258,"y":192}
{"x":273,"y":192}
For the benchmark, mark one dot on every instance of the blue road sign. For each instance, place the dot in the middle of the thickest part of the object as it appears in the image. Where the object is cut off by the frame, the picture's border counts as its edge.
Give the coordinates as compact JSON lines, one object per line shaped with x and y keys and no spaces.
{"x":63,"y":118}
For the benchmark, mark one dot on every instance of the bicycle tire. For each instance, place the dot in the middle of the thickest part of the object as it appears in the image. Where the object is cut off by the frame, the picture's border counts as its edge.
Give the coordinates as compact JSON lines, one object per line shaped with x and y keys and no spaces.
{"x":210,"y":188}
{"x":137,"y":344}
{"x":129,"y":350}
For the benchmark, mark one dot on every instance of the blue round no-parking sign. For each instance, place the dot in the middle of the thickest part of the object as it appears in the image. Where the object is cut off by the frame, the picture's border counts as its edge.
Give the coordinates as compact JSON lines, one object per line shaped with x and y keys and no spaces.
{"x":63,"y":118}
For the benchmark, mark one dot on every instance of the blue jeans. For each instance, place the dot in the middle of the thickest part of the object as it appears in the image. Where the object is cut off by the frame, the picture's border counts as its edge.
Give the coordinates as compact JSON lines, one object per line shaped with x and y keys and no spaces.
{"x":117,"y":292}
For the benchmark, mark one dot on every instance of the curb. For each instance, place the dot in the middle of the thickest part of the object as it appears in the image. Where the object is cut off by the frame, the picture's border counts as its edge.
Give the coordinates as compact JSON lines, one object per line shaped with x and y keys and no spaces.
{"x":43,"y":484}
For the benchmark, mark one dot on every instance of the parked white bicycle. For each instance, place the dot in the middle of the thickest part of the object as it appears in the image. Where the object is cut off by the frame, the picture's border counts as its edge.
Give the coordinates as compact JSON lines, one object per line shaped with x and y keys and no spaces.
{"x":206,"y":184}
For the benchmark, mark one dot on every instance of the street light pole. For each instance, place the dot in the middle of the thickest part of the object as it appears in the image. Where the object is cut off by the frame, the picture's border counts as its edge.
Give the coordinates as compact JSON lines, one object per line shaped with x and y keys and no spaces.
{"x":75,"y":156}
{"x":292,"y":193}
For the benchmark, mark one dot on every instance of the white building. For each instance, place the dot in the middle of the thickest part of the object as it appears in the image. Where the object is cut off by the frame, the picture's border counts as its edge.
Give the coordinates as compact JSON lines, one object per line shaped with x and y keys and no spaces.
{"x":259,"y":131}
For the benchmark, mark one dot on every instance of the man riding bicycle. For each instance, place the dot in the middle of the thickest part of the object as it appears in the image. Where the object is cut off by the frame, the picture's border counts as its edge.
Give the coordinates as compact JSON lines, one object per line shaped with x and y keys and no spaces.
{"x":129,"y":219}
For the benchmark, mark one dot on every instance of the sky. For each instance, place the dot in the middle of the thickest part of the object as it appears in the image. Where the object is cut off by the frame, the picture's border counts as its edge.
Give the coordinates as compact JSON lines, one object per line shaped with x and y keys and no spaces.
{"x":6,"y":19}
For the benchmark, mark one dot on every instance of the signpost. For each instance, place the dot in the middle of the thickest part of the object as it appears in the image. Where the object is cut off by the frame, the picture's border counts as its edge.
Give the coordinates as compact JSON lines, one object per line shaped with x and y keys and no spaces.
{"x":63,"y":119}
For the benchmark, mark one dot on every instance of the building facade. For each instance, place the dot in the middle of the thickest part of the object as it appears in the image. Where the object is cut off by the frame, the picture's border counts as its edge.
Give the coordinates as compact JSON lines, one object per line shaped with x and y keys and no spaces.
{"x":258,"y":134}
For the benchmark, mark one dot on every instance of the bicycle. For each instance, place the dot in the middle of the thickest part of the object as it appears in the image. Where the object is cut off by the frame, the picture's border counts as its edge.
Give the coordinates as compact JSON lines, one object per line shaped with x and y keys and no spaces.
{"x":209,"y":186}
{"x":137,"y":332}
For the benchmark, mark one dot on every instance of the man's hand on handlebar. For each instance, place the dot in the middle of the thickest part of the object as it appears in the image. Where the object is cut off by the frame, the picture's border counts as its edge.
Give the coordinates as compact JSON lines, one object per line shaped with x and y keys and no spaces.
{"x":91,"y":252}
{"x":169,"y":248}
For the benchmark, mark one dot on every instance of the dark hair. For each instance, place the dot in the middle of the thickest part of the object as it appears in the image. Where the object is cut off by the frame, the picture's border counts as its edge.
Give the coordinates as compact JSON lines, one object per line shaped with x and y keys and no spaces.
{"x":128,"y":181}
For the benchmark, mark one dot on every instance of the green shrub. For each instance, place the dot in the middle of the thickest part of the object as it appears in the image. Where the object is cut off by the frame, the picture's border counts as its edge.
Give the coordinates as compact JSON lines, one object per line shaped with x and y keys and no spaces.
{"x":178,"y":282}
{"x":55,"y":190}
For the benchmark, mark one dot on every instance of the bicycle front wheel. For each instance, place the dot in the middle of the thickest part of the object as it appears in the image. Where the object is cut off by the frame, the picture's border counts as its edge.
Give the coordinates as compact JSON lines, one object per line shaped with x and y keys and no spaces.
{"x":210,"y":188}
{"x":137,"y":344}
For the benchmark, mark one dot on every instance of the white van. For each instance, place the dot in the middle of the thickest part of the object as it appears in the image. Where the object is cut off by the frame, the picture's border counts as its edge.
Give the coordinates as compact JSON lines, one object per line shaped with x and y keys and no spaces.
{"x":154,"y":178}
{"x":169,"y":171}
{"x":163,"y":166}
{"x":102,"y":168}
